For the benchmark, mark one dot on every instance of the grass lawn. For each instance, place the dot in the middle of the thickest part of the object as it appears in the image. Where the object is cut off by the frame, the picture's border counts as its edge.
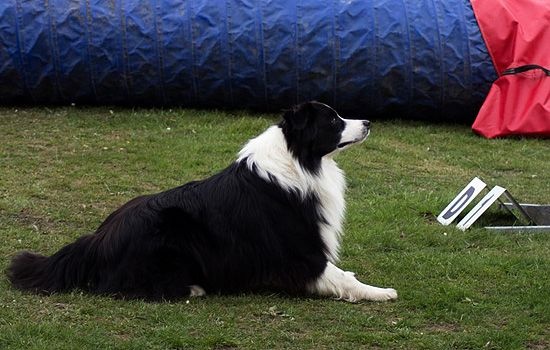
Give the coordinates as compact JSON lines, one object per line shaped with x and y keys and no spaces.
{"x":63,"y":170}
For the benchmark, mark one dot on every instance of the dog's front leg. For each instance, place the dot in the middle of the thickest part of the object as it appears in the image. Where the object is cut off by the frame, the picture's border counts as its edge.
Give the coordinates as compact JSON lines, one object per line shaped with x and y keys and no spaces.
{"x":343,"y":285}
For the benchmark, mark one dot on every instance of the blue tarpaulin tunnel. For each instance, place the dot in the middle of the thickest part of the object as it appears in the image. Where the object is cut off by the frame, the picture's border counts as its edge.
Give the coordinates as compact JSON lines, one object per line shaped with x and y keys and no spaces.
{"x":397,"y":58}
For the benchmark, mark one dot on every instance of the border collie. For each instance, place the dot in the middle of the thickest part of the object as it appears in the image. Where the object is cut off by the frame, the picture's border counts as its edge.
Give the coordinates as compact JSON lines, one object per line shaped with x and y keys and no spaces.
{"x":272,"y":220}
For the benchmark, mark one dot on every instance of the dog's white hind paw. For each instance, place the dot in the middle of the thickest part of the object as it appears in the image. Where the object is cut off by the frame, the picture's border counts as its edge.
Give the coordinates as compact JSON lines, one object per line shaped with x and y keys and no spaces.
{"x":196,"y":291}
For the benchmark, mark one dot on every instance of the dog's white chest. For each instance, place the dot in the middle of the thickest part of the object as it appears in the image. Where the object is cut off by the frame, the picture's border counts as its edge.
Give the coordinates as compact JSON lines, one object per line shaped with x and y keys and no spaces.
{"x":330,"y":189}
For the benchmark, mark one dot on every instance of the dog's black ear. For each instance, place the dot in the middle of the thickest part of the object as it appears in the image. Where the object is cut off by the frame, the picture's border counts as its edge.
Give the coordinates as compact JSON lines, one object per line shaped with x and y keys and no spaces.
{"x":299,"y":115}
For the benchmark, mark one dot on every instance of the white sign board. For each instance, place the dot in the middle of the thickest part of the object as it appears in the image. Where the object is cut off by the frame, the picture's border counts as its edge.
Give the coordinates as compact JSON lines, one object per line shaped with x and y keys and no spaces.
{"x":461,"y":201}
{"x":480,"y":208}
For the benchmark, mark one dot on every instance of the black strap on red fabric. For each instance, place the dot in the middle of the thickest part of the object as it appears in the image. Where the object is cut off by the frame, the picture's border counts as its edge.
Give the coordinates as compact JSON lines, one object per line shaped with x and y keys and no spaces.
{"x":526,"y":68}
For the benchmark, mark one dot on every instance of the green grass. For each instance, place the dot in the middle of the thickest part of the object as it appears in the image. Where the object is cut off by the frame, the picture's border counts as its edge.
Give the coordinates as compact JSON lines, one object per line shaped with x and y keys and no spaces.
{"x":63,"y":170}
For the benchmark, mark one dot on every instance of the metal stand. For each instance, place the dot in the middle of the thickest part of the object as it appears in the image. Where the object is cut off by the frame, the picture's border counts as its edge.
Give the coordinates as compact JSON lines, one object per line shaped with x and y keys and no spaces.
{"x":534,"y":217}
{"x":538,"y":214}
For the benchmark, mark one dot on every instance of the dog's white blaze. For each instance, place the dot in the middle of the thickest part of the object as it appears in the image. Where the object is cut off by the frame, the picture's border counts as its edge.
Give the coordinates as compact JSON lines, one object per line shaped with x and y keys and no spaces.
{"x":268,"y":155}
{"x":353,"y":132}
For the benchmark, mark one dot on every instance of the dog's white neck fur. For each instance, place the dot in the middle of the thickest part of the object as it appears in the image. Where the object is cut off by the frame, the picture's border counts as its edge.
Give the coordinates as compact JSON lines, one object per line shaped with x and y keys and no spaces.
{"x":269,"y":157}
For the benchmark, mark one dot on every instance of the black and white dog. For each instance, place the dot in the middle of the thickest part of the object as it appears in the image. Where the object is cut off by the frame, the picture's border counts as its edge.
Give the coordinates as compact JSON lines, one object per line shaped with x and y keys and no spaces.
{"x":272,"y":220}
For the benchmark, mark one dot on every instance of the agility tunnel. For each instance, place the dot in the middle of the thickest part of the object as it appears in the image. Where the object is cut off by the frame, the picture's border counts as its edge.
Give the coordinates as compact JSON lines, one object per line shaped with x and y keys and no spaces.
{"x":398,"y":58}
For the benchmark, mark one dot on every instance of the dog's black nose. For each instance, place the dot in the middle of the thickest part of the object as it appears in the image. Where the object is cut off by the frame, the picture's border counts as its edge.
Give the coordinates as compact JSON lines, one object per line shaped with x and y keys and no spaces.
{"x":366,"y":123}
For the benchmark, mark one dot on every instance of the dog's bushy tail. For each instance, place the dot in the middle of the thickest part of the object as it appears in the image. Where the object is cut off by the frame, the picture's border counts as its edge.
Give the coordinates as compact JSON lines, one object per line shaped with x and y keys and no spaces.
{"x":67,"y":269}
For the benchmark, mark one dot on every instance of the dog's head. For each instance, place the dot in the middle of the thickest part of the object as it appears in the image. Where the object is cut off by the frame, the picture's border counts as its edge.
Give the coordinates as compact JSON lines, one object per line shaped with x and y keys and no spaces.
{"x":314,"y":130}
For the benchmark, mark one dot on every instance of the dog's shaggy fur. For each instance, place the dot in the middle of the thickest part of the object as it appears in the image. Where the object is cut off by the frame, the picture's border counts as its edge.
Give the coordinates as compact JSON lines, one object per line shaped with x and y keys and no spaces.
{"x":271,"y":220}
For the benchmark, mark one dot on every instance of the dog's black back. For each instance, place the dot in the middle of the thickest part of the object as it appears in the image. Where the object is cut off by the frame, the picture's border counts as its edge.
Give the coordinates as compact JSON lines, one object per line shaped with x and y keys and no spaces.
{"x":231,"y":232}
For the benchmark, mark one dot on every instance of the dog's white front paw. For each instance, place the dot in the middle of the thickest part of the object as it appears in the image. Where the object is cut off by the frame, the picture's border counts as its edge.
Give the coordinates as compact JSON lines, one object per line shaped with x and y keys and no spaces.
{"x":344,"y":286}
{"x":378,"y":294}
{"x":386,"y":294}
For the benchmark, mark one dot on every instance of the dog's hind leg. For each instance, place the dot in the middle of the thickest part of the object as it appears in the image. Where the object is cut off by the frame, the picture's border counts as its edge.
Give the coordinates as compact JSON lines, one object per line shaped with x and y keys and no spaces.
{"x":341,"y":284}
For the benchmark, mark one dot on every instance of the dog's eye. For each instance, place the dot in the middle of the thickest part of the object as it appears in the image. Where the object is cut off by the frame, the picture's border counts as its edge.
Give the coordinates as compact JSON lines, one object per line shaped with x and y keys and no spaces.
{"x":333,"y":121}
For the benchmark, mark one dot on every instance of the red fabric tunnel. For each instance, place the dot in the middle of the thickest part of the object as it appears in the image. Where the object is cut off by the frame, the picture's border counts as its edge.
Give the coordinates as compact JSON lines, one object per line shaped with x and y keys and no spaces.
{"x":517,"y":34}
